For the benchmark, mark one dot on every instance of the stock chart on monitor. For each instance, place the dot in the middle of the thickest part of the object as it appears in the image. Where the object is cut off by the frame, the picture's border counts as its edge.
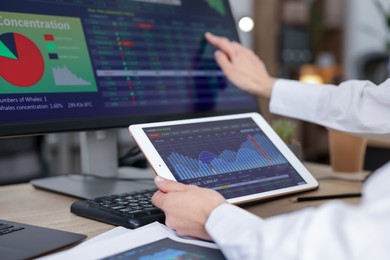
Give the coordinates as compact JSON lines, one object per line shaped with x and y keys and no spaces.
{"x":234,"y":157}
{"x":84,"y":59}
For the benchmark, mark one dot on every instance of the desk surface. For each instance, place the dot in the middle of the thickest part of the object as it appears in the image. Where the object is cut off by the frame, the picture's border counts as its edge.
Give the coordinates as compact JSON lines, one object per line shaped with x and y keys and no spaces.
{"x":24,"y":203}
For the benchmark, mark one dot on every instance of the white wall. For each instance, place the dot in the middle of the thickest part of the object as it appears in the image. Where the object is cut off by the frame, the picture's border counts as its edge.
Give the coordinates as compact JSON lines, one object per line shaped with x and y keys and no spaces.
{"x":365,"y":32}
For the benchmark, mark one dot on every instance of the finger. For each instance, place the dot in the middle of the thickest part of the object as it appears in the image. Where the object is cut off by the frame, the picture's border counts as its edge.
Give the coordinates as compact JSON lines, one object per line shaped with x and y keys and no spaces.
{"x":224,"y":62}
{"x":158,"y":199}
{"x":221,"y":43}
{"x":238,"y":47}
{"x":165,"y":185}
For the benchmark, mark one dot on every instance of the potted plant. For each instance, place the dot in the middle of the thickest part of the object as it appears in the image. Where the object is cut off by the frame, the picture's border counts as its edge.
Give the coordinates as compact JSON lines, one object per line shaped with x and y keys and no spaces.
{"x":286,"y":131}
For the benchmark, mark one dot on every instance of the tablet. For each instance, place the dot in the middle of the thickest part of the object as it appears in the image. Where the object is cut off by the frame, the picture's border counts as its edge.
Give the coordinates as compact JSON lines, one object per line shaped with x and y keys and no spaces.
{"x":240,"y":156}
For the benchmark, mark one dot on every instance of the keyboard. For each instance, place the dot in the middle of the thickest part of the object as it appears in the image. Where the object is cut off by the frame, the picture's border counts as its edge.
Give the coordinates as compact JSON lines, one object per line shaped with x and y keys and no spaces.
{"x":131,"y":210}
{"x":8,"y":229}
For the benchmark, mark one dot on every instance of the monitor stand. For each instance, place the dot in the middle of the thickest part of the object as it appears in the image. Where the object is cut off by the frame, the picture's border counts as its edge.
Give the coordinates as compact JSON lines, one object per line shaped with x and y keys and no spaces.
{"x":99,"y":157}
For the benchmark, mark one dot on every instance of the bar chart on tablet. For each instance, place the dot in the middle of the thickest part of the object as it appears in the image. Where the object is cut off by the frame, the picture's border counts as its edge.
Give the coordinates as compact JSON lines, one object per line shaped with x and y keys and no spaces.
{"x":233,"y":157}
{"x":256,"y":151}
{"x":216,"y":149}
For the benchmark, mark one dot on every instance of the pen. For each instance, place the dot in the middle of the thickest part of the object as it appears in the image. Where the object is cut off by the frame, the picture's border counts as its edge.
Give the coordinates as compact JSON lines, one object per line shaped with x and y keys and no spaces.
{"x":327,"y":197}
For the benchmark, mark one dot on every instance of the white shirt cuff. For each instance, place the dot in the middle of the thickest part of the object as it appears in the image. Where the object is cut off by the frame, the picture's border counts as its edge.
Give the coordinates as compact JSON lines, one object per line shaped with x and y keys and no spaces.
{"x":289,"y":95}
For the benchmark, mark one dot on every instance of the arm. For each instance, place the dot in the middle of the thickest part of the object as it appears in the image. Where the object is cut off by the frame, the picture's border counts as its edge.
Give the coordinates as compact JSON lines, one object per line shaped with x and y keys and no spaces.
{"x":333,"y":231}
{"x":358,"y":107}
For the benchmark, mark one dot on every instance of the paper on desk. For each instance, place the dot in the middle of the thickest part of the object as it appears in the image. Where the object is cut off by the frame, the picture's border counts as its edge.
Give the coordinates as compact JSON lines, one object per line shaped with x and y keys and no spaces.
{"x":153,"y":239}
{"x":106,"y":235}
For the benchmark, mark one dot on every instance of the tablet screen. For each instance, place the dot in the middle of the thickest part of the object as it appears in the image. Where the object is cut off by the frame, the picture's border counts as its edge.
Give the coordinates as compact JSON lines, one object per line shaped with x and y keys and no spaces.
{"x":233,"y":157}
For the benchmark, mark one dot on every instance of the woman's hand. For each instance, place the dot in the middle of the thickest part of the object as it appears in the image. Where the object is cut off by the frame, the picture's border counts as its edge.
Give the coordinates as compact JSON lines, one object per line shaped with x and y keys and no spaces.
{"x":186,"y":207}
{"x":242,"y":66}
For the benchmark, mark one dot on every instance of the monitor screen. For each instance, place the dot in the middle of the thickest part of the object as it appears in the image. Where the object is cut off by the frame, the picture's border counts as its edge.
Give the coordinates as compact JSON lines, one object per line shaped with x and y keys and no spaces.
{"x":70,"y":65}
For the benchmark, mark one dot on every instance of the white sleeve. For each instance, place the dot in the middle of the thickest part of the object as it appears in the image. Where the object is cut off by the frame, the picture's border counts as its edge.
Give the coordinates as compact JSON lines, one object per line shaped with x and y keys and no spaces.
{"x":335,"y":230}
{"x":358,"y":107}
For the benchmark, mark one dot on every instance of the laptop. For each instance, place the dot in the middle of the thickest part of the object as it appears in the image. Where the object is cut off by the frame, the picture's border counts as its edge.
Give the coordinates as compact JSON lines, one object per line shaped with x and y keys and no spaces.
{"x":23,"y":241}
{"x":240,"y":156}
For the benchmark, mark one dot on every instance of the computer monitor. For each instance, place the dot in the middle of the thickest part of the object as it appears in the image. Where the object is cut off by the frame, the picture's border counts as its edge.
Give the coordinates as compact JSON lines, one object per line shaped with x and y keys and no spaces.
{"x":84,"y":65}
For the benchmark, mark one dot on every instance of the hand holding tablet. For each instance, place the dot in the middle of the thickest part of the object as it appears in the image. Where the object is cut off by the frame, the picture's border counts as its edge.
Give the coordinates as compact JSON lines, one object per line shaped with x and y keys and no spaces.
{"x":240,"y":156}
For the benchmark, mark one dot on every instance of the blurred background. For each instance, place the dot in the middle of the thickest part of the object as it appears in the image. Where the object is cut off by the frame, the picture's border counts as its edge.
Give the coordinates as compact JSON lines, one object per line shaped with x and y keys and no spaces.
{"x":320,"y":41}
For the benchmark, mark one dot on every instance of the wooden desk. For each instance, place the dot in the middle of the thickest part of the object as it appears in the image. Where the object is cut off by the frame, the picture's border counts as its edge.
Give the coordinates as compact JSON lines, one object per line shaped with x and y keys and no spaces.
{"x":328,"y":185}
{"x":24,"y":203}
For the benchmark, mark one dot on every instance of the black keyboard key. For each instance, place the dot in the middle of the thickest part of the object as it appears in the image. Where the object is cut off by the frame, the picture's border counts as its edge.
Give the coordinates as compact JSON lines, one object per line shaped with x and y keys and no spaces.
{"x":4,"y":226}
{"x":153,"y":211}
{"x":17,"y":228}
{"x":7,"y":229}
{"x":136,"y":213}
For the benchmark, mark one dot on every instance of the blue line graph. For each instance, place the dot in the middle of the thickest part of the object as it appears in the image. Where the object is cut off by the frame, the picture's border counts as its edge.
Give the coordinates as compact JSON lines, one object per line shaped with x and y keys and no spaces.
{"x":257,"y":151}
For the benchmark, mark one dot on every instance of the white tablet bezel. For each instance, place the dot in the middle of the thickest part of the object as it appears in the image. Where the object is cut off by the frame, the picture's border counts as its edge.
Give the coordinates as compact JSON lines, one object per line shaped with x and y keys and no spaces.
{"x":160,"y":167}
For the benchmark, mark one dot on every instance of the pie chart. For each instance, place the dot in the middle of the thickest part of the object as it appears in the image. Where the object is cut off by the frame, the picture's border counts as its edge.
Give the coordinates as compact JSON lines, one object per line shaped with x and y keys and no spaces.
{"x":21,"y":62}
